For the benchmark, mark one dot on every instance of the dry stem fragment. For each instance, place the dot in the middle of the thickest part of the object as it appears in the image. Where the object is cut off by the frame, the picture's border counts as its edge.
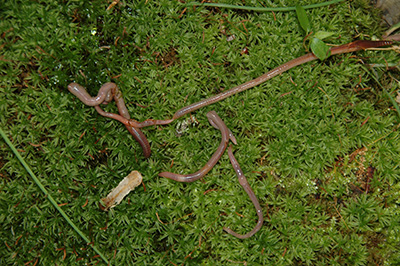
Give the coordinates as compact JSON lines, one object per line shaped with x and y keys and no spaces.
{"x":116,"y":195}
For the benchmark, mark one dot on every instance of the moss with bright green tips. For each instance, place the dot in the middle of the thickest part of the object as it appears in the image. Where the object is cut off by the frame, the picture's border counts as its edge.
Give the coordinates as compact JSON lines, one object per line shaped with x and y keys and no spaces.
{"x":319,"y":144}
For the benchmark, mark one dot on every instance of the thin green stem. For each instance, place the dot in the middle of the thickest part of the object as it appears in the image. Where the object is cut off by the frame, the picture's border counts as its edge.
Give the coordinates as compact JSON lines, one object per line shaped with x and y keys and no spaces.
{"x":263,"y":9}
{"x":49,"y":197}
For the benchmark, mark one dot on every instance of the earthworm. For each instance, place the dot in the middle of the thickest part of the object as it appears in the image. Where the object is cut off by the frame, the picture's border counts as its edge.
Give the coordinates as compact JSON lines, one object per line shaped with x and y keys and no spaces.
{"x":246,"y":186}
{"x":346,"y":48}
{"x":216,"y":122}
{"x":105,"y":95}
{"x":111,"y":91}
{"x":135,"y":132}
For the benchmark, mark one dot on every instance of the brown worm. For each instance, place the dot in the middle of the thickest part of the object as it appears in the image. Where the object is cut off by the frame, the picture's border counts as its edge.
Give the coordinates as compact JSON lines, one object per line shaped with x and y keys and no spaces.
{"x":135,"y":132}
{"x":111,"y":91}
{"x":104,"y":96}
{"x":246,"y":186}
{"x":216,"y":122}
{"x":346,"y":48}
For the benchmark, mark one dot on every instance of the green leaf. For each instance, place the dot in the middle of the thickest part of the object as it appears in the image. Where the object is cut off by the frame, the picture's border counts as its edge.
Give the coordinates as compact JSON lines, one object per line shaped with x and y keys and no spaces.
{"x":319,"y":48}
{"x":323,"y":34}
{"x":303,"y":19}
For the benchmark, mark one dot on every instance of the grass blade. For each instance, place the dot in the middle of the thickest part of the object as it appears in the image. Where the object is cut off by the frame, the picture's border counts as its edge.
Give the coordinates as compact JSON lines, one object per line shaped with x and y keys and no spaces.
{"x":263,"y":9}
{"x":51,"y":199}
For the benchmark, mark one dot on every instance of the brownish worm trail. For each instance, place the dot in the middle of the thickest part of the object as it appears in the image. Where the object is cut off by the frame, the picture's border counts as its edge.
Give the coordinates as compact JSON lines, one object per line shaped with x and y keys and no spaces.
{"x":111,"y":91}
{"x":346,"y":48}
{"x":216,"y":122}
{"x":246,"y":186}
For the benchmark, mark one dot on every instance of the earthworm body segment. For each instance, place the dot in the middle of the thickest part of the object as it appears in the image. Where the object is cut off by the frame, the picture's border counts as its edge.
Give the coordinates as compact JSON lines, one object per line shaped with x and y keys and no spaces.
{"x":346,"y":48}
{"x":106,"y":93}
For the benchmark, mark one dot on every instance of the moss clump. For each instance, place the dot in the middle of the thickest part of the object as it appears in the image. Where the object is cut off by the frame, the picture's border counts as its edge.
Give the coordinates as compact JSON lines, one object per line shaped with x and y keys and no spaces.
{"x":319,"y":144}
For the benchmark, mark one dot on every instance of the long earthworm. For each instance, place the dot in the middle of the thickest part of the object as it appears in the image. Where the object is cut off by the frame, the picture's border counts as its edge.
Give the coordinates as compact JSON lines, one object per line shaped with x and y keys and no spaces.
{"x":216,"y":122}
{"x":106,"y":93}
{"x":246,"y":186}
{"x":346,"y":48}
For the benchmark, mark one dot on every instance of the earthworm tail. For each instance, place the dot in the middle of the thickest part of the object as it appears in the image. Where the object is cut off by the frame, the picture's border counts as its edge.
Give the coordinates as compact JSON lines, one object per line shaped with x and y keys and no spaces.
{"x":246,"y":186}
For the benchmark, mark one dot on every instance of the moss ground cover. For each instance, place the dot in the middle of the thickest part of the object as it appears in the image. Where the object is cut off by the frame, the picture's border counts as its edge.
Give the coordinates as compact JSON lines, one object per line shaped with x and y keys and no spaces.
{"x":319,"y":144}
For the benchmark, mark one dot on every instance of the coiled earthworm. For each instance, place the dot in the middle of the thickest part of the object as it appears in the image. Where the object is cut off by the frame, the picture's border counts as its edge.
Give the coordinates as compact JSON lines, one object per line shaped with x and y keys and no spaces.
{"x":346,"y":48}
{"x":246,"y":186}
{"x":106,"y":93}
{"x":216,"y":122}
{"x":111,"y":91}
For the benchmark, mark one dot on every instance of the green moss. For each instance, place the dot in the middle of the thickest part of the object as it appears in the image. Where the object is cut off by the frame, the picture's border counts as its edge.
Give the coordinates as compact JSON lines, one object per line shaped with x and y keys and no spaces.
{"x":307,"y":139}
